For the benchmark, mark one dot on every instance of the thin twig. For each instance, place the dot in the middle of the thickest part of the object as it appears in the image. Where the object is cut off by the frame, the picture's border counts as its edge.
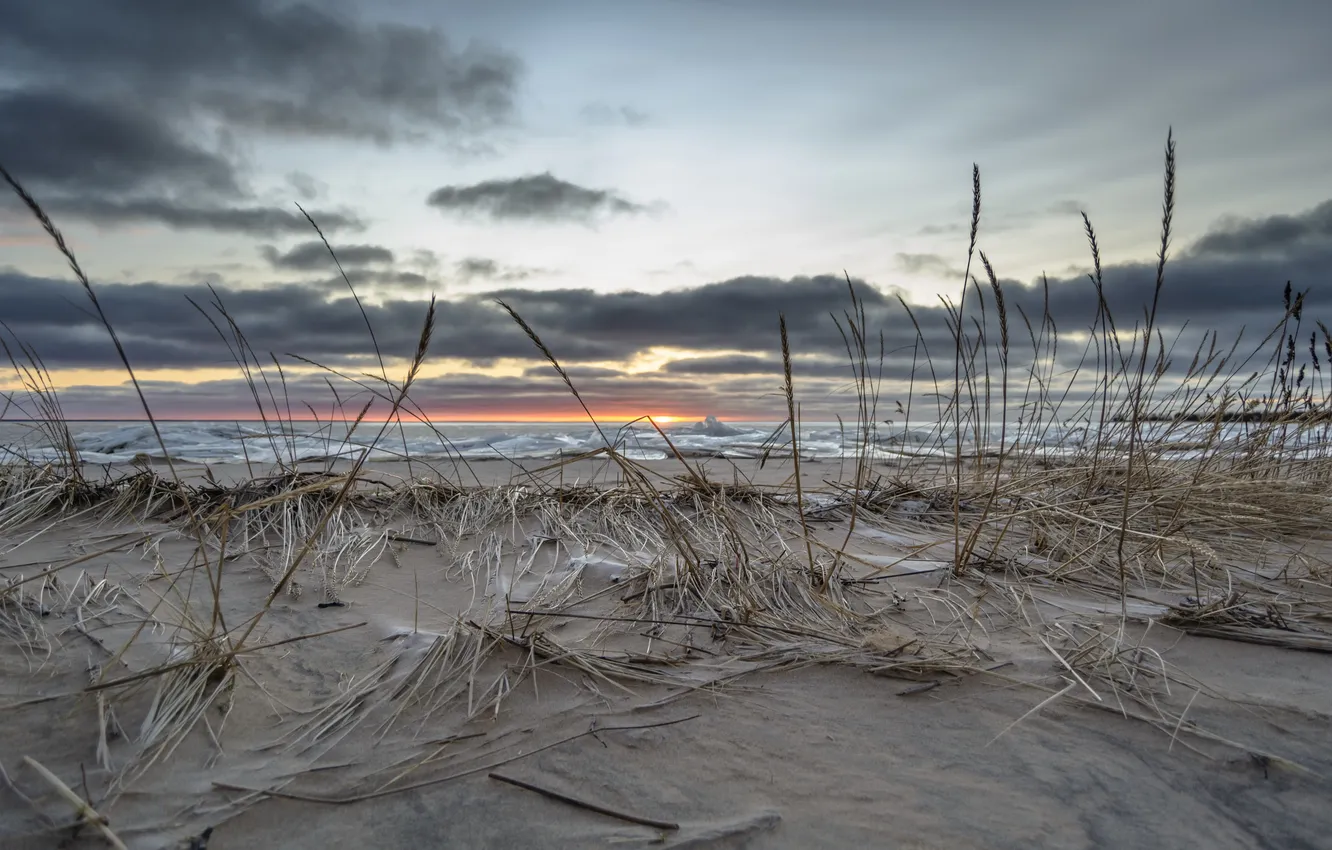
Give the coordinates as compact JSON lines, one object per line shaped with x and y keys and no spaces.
{"x":586,"y":804}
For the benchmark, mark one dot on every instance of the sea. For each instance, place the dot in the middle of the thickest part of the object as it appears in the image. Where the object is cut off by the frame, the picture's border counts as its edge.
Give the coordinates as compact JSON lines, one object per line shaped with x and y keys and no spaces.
{"x":287,"y":441}
{"x":290,"y":441}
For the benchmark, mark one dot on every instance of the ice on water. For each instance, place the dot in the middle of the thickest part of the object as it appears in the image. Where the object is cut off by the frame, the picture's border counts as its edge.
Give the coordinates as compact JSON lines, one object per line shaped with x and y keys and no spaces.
{"x":260,"y":443}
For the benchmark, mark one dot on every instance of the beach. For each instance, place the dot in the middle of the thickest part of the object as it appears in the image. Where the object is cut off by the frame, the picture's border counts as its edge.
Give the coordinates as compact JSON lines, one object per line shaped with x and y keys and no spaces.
{"x":576,"y":426}
{"x":650,"y":639}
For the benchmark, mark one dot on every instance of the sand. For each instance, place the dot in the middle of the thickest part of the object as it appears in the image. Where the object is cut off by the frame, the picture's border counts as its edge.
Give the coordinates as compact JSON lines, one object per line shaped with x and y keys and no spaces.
{"x":904,"y":707}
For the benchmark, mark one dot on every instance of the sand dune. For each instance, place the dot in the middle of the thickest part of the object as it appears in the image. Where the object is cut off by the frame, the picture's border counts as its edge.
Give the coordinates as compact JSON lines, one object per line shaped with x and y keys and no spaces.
{"x":560,"y":636}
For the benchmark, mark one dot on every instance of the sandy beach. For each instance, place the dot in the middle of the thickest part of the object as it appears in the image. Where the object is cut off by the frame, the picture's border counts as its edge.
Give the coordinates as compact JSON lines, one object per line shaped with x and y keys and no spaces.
{"x":656,"y":651}
{"x":702,"y":424}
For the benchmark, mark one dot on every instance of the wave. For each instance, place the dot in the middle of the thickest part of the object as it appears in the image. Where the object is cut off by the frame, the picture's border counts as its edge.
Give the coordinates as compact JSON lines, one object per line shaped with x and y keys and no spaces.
{"x":287,"y":442}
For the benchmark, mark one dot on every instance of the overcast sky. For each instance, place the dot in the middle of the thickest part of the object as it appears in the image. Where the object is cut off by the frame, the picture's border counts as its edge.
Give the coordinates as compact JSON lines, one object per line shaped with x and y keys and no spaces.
{"x":647,"y":181}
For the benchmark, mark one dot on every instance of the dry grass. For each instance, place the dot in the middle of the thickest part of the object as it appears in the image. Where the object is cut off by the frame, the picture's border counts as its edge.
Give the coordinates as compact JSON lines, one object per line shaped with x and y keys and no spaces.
{"x":1215,"y":521}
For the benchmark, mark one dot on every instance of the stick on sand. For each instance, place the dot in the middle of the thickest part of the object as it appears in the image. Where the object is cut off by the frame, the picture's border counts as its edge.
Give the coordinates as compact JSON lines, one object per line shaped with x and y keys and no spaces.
{"x":586,"y":804}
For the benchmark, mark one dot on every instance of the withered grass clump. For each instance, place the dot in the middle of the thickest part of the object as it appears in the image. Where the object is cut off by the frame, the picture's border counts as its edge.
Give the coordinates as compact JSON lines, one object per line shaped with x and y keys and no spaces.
{"x":1098,"y":474}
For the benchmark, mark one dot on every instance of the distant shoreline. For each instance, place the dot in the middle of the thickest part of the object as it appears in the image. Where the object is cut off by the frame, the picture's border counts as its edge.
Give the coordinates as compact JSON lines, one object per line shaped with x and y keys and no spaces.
{"x":1238,"y":418}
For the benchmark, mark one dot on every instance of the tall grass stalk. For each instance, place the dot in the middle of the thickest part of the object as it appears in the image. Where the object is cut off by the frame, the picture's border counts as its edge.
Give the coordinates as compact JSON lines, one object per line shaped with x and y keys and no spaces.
{"x":1167,"y":214}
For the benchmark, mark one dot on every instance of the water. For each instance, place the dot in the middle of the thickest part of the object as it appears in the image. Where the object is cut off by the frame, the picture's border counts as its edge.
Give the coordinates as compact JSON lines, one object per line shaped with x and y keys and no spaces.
{"x":256,"y":442}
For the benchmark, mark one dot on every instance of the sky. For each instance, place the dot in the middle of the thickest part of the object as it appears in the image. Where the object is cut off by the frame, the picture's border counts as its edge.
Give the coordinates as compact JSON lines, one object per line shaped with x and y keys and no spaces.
{"x":649,"y":183}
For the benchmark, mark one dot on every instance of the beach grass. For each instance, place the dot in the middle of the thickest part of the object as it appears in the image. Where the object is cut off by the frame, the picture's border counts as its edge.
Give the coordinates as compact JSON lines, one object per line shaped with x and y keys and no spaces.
{"x":1195,"y":500}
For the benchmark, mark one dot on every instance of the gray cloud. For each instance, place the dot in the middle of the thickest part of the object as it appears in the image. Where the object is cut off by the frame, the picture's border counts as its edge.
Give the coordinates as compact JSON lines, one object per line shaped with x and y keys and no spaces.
{"x":1234,"y":237}
{"x":770,"y":366}
{"x":313,"y":256}
{"x":290,"y":68}
{"x":582,"y":327}
{"x":114,"y":165}
{"x":306,"y":187}
{"x":481,"y":268}
{"x":314,"y":319}
{"x":927,"y":264}
{"x":736,"y":364}
{"x":538,"y":197}
{"x":578,"y":374}
{"x":59,"y":141}
{"x":110,"y":110}
{"x":477,"y":267}
{"x":395,"y":284}
{"x":472,"y":395}
{"x":246,"y":220}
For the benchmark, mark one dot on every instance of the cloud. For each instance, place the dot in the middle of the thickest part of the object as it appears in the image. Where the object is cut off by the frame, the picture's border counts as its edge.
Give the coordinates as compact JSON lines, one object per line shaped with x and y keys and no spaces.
{"x":313,"y":256}
{"x":471,"y":395}
{"x":538,"y":197}
{"x":579,"y":374}
{"x":285,"y":68}
{"x":481,"y":268}
{"x":246,"y":220}
{"x":579,"y":325}
{"x":741,"y":364}
{"x":588,"y":330}
{"x":317,"y":320}
{"x":111,"y":112}
{"x":306,"y":187}
{"x":395,"y":284}
{"x":112,"y":166}
{"x":1234,"y":237}
{"x":477,"y":267}
{"x":60,"y":141}
{"x":927,"y":264}
{"x":605,"y":115}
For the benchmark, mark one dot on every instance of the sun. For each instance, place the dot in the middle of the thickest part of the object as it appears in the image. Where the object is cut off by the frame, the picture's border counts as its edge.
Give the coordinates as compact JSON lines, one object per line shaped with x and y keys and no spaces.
{"x":664,"y":420}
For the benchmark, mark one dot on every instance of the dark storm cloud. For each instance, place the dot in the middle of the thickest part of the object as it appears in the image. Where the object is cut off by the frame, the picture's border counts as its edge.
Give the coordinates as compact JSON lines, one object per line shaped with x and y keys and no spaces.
{"x":894,"y":367}
{"x":1232,"y":276}
{"x":317,"y":320}
{"x":314,"y":256}
{"x":109,"y":110}
{"x":245,"y":220}
{"x":1277,"y":233}
{"x":292,"y":68}
{"x":584,"y":328}
{"x":1202,"y":290}
{"x":160,"y":328}
{"x":382,"y":282}
{"x":538,"y":197}
{"x":112,"y":165}
{"x":56,"y":140}
{"x":736,"y":314}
